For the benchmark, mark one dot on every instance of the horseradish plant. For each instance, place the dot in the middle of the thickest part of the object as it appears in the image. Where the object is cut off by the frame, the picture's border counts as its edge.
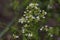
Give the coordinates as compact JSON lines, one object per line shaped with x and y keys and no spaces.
{"x":30,"y":20}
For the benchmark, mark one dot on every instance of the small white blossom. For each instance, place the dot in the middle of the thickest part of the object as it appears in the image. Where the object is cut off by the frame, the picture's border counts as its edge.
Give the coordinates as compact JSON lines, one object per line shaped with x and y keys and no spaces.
{"x":40,"y":11}
{"x":21,"y":20}
{"x":41,"y":29}
{"x":25,"y":25}
{"x":28,"y":21}
{"x":30,"y":35}
{"x":24,"y":11}
{"x":36,"y":7}
{"x":43,"y":17}
{"x":38,"y":18}
{"x":51,"y":35}
{"x":46,"y":26}
{"x":31,"y":4}
{"x":45,"y":13}
{"x":33,"y":17}
{"x":27,"y":10}
{"x":16,"y":36}
{"x":26,"y":17}
{"x":23,"y":30}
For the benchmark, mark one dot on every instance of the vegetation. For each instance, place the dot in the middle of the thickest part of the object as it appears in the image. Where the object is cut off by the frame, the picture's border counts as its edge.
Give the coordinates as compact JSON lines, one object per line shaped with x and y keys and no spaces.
{"x":30,"y":20}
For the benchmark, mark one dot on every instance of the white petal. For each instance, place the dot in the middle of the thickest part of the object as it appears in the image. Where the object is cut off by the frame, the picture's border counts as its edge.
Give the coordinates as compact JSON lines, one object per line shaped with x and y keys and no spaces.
{"x":45,"y":13}
{"x":24,"y":11}
{"x":46,"y":26}
{"x":43,"y":17}
{"x":41,"y":29}
{"x":17,"y":36}
{"x":51,"y":35}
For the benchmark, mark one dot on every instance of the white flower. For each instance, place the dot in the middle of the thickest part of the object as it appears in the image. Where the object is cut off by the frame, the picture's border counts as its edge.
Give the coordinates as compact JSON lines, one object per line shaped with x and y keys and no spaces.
{"x":25,"y":25}
{"x":41,"y":28}
{"x":38,"y":18}
{"x":45,"y":13}
{"x":46,"y":26}
{"x":16,"y":36}
{"x":24,"y":11}
{"x":51,"y":35}
{"x":36,"y":7}
{"x":28,"y":21}
{"x":21,"y":20}
{"x":31,"y":4}
{"x":23,"y":30}
{"x":26,"y":17}
{"x":27,"y":10}
{"x":40,"y":11}
{"x":30,"y":35}
{"x":33,"y":17}
{"x":43,"y":17}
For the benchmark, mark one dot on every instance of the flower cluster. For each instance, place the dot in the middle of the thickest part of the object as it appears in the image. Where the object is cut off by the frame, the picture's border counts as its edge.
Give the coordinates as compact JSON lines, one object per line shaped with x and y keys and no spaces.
{"x":32,"y":15}
{"x":47,"y":29}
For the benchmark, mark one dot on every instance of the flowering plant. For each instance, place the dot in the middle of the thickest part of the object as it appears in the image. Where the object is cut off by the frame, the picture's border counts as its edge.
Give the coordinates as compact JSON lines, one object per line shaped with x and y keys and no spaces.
{"x":30,"y":20}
